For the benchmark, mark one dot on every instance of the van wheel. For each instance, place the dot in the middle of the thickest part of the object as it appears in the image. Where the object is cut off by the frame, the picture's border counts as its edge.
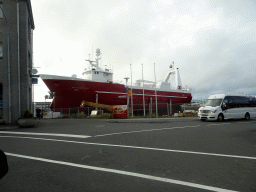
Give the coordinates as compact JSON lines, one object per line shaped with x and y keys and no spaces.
{"x":220,"y":118}
{"x":247,"y":116}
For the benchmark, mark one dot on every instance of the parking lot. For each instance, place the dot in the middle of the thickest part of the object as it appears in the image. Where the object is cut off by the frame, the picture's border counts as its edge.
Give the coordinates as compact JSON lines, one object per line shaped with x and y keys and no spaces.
{"x":179,"y":154}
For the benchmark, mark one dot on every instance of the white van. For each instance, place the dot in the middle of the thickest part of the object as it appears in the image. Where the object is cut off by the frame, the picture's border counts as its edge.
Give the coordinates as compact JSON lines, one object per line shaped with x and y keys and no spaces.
{"x":222,"y":106}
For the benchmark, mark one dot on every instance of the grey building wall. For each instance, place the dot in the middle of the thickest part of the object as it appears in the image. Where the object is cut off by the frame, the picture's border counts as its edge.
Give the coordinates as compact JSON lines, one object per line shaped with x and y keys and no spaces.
{"x":19,"y":26}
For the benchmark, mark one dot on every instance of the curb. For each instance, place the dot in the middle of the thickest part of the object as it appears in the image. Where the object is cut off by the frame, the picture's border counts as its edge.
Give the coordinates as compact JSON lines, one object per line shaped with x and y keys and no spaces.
{"x":147,"y":120}
{"x":8,"y":128}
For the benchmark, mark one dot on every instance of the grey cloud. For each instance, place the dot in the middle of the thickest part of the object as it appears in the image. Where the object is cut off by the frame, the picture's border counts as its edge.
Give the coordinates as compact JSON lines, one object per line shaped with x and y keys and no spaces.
{"x":214,"y":47}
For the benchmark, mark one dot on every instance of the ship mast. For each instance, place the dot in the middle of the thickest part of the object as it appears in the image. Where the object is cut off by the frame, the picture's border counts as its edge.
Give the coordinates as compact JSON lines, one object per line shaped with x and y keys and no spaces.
{"x":95,"y":63}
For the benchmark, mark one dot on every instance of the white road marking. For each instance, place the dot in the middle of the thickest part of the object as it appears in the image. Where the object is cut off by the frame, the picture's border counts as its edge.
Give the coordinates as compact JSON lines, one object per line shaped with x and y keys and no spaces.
{"x":166,"y":180}
{"x":243,"y":122}
{"x":218,"y":124}
{"x":145,"y":130}
{"x":136,"y":147}
{"x":193,"y":126}
{"x":47,"y":134}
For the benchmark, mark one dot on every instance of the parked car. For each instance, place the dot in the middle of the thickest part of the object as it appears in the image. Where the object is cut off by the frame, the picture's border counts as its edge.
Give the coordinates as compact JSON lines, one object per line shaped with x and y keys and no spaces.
{"x":3,"y":164}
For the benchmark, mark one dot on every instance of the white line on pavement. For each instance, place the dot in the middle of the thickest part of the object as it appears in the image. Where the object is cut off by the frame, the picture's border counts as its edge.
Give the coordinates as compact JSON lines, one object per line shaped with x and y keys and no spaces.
{"x":218,"y":124}
{"x":243,"y":122}
{"x":136,"y":147}
{"x":145,"y":130}
{"x":47,"y":134}
{"x":166,"y":180}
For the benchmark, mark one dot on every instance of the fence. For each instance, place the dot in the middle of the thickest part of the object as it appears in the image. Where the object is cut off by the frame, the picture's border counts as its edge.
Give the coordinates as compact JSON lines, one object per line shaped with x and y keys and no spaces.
{"x":76,"y":111}
{"x":163,"y":109}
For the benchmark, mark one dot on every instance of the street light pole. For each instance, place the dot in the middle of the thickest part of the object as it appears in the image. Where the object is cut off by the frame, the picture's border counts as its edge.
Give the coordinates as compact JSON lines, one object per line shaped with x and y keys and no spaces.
{"x":54,"y":100}
{"x":143,"y":92}
{"x":131,"y":90}
{"x":155,"y":90}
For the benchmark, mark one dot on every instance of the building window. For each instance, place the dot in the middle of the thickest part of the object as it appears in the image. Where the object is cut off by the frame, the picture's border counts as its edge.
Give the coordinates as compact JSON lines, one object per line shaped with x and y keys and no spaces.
{"x":1,"y":50}
{"x":1,"y":10}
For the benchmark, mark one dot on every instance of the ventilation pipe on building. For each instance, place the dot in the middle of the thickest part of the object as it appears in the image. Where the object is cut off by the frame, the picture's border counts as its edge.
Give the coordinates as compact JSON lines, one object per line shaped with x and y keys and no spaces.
{"x":18,"y":33}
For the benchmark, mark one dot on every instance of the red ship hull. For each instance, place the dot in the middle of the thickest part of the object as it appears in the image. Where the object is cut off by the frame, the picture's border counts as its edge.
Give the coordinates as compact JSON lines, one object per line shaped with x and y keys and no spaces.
{"x":70,"y":94}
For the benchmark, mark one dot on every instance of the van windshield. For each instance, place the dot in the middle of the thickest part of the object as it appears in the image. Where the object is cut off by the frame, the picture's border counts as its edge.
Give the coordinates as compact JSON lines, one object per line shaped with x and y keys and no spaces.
{"x":213,"y":102}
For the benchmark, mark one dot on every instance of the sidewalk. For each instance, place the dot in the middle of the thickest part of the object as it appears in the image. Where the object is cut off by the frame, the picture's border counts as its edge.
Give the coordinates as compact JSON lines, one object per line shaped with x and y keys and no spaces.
{"x":8,"y":127}
{"x":57,"y":122}
{"x":148,"y":120}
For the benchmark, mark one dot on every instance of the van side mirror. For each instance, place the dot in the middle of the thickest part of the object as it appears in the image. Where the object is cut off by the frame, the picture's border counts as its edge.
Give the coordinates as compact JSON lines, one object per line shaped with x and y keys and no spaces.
{"x":3,"y":164}
{"x":223,"y":106}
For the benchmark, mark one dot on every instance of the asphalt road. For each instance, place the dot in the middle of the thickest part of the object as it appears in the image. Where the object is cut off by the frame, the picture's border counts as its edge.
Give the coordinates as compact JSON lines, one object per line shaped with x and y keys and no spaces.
{"x":182,"y":154}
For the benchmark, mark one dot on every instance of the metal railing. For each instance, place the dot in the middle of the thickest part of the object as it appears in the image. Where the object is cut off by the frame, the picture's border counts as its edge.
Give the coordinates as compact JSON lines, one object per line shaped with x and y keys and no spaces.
{"x":163,"y":109}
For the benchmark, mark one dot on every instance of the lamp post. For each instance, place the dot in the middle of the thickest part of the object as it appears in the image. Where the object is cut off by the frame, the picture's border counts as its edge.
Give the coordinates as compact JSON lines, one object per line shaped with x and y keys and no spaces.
{"x":155,"y":90}
{"x":9,"y":67}
{"x":126,"y":80}
{"x":54,"y":100}
{"x":131,"y":89}
{"x":143,"y":92}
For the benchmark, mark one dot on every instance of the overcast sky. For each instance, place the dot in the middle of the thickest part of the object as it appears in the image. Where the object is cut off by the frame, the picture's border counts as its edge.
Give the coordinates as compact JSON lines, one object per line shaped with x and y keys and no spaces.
{"x":212,"y":42}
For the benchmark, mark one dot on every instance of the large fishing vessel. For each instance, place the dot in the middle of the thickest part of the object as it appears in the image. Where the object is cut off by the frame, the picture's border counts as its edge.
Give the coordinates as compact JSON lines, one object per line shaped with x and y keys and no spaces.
{"x":97,"y":86}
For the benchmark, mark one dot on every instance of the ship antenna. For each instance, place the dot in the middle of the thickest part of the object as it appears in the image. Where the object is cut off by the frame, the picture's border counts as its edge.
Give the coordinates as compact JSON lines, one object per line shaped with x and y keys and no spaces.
{"x":101,"y":60}
{"x":92,"y":51}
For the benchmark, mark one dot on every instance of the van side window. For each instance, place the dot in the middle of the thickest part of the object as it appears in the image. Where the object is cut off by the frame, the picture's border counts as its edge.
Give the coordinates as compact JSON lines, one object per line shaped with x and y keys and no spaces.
{"x":231,"y":103}
{"x":253,"y":102}
{"x":237,"y":101}
{"x":245,"y":102}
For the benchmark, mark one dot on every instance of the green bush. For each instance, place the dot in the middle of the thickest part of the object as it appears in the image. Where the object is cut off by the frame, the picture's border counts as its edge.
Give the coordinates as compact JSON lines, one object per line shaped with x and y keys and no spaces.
{"x":78,"y":116}
{"x":27,"y":115}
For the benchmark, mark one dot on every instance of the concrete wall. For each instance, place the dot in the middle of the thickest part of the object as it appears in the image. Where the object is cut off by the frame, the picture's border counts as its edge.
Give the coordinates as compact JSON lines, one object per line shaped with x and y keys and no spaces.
{"x":19,"y":55}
